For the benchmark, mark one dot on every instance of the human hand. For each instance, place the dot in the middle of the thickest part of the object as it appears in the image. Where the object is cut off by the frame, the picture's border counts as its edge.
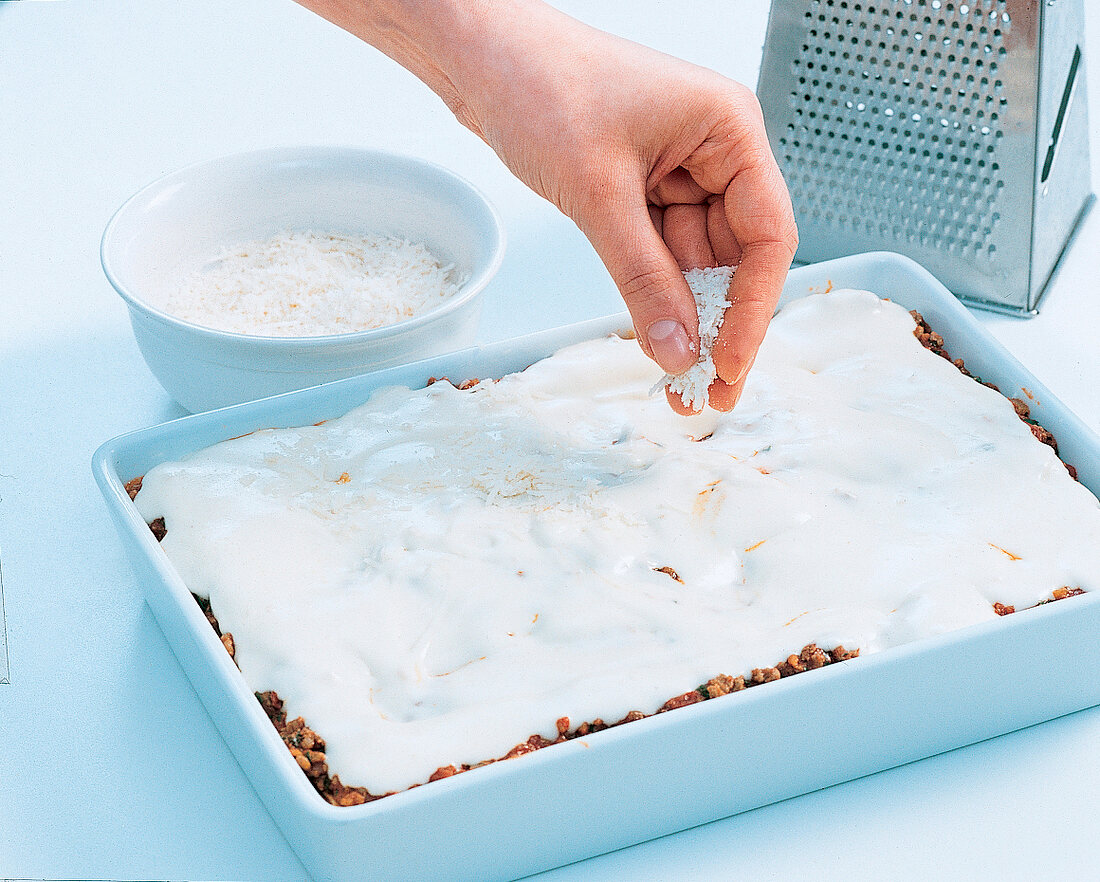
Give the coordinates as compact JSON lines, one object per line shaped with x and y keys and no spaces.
{"x":665,"y":166}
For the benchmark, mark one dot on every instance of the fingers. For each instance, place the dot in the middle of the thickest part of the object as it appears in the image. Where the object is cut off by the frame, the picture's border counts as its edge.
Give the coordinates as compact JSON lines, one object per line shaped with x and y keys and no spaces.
{"x":685,"y":232}
{"x":727,"y":250}
{"x":723,"y":396}
{"x":677,"y":403}
{"x":720,"y":396}
{"x":758,"y":210}
{"x":750,"y":226}
{"x":678,"y":186}
{"x":649,"y":279}
{"x":657,"y":218}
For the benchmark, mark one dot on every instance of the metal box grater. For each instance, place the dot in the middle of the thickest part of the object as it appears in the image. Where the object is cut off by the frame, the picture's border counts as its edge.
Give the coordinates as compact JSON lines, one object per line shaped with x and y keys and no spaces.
{"x":953,"y":132}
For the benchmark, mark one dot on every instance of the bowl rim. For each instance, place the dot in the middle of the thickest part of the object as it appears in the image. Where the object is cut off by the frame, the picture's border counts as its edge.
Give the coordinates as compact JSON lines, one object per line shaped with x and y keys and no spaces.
{"x":317,"y":153}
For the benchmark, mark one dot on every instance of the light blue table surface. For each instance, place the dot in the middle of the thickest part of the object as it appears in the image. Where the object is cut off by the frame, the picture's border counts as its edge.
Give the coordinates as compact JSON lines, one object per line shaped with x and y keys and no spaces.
{"x":109,"y":766}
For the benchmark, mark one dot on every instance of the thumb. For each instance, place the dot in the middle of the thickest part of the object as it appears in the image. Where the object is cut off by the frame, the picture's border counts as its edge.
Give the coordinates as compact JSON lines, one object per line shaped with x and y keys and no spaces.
{"x":650,"y":282}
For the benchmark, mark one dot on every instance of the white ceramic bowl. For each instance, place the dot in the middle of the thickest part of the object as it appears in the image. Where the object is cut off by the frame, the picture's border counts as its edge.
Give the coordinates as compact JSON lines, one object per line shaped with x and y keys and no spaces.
{"x":189,"y":216}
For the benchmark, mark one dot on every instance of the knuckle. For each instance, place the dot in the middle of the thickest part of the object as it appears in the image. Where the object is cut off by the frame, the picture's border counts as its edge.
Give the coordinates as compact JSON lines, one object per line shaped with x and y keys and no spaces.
{"x":645,"y":290}
{"x":736,"y":100}
{"x":781,"y":247}
{"x":748,"y":102}
{"x":756,"y":150}
{"x":791,"y":239}
{"x":754,"y":304}
{"x":784,"y":239}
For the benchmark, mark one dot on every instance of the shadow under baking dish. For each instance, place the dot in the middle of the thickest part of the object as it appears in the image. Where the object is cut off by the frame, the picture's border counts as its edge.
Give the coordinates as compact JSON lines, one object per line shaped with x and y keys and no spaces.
{"x":664,"y":773}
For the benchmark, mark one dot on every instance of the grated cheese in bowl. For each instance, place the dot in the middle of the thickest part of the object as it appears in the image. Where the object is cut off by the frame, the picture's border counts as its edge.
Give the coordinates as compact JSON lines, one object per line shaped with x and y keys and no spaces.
{"x":304,"y":284}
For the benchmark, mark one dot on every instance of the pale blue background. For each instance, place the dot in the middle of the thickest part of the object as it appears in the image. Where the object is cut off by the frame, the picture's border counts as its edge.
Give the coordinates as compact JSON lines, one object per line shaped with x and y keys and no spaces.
{"x":109,"y":766}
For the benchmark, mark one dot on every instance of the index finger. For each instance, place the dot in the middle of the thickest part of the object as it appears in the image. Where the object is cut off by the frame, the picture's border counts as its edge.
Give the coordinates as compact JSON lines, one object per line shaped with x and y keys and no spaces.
{"x":758,"y":209}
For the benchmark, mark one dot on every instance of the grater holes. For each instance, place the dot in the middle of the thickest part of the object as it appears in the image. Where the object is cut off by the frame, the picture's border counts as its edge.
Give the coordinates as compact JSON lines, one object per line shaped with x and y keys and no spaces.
{"x":899,"y":104}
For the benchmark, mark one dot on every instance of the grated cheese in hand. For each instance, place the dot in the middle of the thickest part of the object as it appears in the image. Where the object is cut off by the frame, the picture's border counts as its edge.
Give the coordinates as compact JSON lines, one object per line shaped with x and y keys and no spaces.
{"x":710,"y":287}
{"x":308,"y":284}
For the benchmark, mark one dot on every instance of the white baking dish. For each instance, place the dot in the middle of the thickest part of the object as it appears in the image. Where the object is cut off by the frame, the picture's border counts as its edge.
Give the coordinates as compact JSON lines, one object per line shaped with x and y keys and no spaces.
{"x":663,"y":773}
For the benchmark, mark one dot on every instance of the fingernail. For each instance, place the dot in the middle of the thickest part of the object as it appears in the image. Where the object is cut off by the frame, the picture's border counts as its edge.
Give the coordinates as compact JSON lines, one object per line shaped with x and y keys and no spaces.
{"x":671,"y":346}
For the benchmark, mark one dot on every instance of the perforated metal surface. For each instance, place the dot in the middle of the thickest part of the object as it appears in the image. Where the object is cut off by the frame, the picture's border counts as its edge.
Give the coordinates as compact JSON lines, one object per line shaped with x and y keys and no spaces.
{"x":901,"y":92}
{"x":911,"y":125}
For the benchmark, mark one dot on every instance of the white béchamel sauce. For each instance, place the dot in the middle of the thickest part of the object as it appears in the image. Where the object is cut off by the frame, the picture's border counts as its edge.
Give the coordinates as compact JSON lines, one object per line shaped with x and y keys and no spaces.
{"x":440,"y":574}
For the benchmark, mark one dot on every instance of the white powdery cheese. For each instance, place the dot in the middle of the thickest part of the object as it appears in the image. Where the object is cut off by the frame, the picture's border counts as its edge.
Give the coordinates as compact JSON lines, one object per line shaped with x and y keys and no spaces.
{"x":710,"y":287}
{"x":304,"y":284}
